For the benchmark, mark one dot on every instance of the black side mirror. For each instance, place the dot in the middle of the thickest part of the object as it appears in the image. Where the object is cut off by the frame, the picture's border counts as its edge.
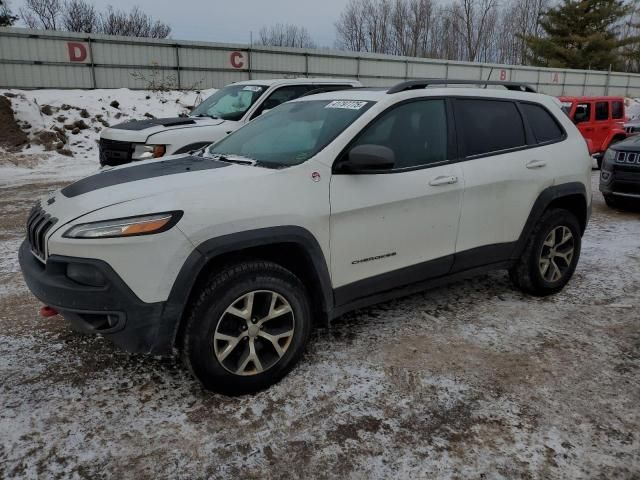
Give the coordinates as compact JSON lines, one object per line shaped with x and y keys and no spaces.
{"x":368,"y":159}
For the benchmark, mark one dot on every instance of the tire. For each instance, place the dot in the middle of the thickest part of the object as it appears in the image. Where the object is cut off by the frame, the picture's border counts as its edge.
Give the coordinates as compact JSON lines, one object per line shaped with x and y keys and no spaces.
{"x":228,"y":321}
{"x":540,"y":271}
{"x":611,"y":201}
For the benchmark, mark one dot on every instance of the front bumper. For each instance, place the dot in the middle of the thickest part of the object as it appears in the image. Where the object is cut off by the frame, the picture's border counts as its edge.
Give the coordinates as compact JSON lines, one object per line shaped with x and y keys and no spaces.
{"x":622,"y":181}
{"x":112,"y":309}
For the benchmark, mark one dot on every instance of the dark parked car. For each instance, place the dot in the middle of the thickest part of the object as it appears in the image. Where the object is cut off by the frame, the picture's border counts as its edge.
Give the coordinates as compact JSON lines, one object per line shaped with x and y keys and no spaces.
{"x":620,"y":176}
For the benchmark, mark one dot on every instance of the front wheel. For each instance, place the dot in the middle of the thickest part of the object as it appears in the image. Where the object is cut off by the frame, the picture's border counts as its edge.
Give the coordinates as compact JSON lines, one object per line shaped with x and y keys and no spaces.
{"x":247,"y":329}
{"x":550,"y":256}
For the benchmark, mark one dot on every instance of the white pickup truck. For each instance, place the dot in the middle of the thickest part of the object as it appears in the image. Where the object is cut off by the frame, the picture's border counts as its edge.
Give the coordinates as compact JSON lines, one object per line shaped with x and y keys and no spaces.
{"x":222,"y":113}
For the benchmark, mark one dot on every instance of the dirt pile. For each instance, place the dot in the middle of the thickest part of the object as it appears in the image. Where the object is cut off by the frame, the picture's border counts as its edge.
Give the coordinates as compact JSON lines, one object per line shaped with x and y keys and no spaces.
{"x":11,"y":135}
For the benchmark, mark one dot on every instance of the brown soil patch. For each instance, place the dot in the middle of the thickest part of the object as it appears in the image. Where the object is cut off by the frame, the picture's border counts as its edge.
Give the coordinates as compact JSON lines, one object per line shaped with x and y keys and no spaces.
{"x":11,"y":135}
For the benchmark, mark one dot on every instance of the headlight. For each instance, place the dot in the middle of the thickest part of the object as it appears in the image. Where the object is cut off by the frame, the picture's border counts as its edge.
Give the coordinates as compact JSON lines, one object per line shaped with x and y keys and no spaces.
{"x":144,"y":152}
{"x":125,"y":227}
{"x":608,"y":157}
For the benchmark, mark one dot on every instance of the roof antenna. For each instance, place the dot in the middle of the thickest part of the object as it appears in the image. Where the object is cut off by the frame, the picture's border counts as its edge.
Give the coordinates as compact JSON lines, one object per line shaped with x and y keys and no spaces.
{"x":488,"y":78}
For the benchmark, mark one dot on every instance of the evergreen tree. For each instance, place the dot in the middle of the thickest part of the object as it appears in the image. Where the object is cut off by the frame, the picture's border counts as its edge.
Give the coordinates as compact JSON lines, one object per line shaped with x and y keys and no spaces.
{"x":581,"y":34}
{"x":6,"y":19}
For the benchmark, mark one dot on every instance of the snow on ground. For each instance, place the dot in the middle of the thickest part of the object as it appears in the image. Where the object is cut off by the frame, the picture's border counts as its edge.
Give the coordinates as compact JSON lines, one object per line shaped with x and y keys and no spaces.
{"x":472,"y":380}
{"x":39,"y":111}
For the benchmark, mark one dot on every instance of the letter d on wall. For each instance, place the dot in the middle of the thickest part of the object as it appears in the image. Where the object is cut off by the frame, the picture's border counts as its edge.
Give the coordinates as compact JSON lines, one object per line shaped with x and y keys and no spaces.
{"x":77,"y":51}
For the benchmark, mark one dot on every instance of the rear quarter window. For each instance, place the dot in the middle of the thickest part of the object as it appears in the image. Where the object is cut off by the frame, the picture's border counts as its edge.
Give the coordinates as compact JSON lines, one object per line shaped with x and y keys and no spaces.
{"x":489,"y":125}
{"x":617,"y":110}
{"x":544,"y":125}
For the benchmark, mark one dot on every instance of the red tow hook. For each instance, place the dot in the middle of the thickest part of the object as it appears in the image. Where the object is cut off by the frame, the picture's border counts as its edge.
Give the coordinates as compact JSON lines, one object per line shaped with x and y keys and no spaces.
{"x":46,"y":311}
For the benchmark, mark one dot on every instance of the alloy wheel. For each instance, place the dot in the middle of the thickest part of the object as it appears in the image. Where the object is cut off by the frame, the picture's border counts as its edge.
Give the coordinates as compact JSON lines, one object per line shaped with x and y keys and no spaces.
{"x":254,"y":332}
{"x":556,"y":255}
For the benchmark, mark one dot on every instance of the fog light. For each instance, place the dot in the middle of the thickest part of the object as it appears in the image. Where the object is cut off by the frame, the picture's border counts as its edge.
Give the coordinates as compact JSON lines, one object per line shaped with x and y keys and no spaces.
{"x":605,"y":175}
{"x":86,"y":274}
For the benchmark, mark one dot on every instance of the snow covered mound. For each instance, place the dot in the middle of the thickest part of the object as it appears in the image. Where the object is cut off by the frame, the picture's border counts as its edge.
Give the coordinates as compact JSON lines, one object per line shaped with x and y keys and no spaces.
{"x":63,"y":127}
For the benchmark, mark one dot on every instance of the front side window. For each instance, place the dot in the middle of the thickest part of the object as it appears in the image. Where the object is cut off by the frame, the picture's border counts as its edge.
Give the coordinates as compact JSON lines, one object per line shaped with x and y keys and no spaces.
{"x":617,"y":110}
{"x":489,"y":125}
{"x":416,"y":132}
{"x":545,"y":127}
{"x":602,"y":110}
{"x":582,"y":113}
{"x":230,"y":103}
{"x":292,"y":133}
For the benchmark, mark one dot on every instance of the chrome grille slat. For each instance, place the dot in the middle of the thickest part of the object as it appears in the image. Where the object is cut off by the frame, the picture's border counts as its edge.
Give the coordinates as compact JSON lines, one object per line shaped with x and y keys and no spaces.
{"x":628,"y":158}
{"x":38,"y":225}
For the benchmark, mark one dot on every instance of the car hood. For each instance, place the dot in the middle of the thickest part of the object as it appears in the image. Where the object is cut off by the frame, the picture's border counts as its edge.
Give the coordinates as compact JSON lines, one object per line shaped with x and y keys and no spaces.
{"x":159,"y":180}
{"x":140,"y":130}
{"x":631,"y":144}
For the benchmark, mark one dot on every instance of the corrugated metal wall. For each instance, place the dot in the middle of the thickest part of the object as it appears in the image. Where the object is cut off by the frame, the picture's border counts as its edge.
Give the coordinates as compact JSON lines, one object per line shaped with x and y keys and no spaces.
{"x":46,"y":59}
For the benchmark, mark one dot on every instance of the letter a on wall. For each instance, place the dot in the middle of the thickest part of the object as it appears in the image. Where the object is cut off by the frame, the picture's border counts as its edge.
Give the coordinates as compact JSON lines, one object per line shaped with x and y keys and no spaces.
{"x":77,"y":51}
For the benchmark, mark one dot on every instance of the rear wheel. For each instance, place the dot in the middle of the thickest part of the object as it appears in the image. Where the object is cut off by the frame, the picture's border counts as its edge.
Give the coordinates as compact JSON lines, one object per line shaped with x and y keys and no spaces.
{"x":551,"y":254}
{"x":247,"y":329}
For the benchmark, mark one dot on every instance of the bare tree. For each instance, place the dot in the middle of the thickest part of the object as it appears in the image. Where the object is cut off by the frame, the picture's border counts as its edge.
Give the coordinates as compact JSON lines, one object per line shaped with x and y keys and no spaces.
{"x":285,"y":35}
{"x":350,"y":28}
{"x":42,"y":14}
{"x":79,"y":16}
{"x":136,"y":23}
{"x":475,"y":30}
{"x":477,"y":18}
{"x":6,"y":17}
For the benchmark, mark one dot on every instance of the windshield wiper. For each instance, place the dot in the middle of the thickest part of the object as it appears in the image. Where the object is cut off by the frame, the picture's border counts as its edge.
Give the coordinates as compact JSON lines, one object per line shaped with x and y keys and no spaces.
{"x":233,"y":159}
{"x":200,"y":115}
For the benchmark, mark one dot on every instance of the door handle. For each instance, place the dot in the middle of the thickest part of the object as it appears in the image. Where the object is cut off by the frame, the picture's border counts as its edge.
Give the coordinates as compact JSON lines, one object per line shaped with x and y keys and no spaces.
{"x":536,"y":164}
{"x":444,"y":180}
{"x":588,"y":129}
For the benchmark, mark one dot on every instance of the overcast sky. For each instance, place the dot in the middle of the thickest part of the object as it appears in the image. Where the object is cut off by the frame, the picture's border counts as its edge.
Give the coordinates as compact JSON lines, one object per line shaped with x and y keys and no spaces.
{"x":232,"y":20}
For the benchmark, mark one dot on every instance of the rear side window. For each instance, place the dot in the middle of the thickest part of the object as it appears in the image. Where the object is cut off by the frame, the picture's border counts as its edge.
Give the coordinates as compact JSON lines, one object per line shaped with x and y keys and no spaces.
{"x":489,"y":125}
{"x":617,"y":111}
{"x":602,"y":110}
{"x":545,"y":127}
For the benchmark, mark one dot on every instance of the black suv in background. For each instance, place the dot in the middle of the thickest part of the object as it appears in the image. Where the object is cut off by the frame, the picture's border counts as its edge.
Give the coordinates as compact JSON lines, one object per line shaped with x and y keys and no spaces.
{"x":620,"y":175}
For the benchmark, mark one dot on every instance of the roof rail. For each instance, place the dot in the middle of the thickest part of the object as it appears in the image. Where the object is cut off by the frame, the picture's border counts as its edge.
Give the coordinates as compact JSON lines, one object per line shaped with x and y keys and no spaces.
{"x":427,"y":82}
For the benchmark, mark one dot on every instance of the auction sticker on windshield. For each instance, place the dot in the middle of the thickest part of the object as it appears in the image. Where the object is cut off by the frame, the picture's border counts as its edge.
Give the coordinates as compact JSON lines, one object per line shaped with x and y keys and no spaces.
{"x":252,"y":88}
{"x":348,"y":104}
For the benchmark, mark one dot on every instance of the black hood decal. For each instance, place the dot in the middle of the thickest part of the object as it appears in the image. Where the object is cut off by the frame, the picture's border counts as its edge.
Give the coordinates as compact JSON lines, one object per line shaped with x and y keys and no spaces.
{"x":154,"y":122}
{"x":147,"y":170}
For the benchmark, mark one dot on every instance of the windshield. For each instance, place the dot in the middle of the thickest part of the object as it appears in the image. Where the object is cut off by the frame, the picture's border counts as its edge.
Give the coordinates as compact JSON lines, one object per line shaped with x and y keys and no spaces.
{"x":292,"y":132}
{"x":229,"y":103}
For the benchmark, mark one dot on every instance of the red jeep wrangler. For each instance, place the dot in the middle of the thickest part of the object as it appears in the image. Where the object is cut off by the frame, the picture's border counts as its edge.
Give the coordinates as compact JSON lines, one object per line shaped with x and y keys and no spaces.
{"x":599,"y":119}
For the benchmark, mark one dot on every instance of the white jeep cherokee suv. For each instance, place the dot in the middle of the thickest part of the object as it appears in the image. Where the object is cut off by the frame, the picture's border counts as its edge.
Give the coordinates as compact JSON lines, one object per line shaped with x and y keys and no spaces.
{"x":216,"y":117}
{"x":323,"y":205}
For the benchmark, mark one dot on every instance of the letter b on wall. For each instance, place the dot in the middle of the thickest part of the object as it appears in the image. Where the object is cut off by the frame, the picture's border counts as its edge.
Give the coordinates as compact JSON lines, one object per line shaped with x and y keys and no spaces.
{"x":77,"y":51}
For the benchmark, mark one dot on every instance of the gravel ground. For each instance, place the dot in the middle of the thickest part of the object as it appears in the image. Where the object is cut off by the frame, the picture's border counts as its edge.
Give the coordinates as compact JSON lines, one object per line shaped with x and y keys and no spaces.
{"x":475,"y":380}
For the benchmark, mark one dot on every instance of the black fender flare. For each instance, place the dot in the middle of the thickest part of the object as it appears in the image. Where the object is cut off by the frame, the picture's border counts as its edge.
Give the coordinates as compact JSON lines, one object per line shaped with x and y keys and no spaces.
{"x":546,"y":197}
{"x":236,"y":242}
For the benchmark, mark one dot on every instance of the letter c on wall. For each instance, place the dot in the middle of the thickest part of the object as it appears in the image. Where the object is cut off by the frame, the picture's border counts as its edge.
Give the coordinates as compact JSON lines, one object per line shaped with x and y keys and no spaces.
{"x":236,"y":59}
{"x":77,"y":51}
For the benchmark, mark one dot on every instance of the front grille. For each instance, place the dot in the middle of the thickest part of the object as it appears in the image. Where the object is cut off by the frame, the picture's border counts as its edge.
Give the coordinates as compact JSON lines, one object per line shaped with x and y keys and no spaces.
{"x":628,"y":158}
{"x":115,"y":152}
{"x":38,"y":225}
{"x":631,"y":129}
